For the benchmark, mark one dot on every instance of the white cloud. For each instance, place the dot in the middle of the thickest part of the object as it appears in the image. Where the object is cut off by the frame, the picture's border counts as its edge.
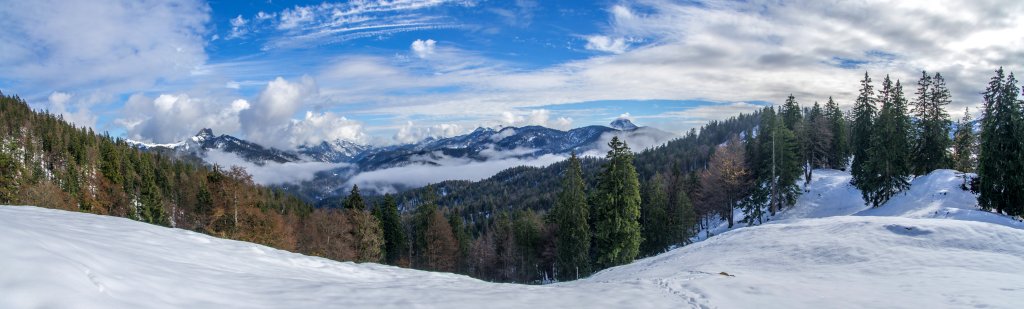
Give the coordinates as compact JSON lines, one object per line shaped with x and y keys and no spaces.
{"x":273,"y":109}
{"x":606,"y":44}
{"x":423,"y":49}
{"x":446,"y":168}
{"x":238,"y":28}
{"x":107,"y":46}
{"x":718,"y":51}
{"x":318,"y":127}
{"x":171,"y":118}
{"x":272,"y":173}
{"x":61,"y":103}
{"x":538,"y":117}
{"x":409,"y":133}
{"x":328,"y":23}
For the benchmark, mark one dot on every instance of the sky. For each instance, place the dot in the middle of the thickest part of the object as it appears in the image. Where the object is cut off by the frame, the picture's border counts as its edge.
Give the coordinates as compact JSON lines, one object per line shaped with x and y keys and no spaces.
{"x":287,"y":73}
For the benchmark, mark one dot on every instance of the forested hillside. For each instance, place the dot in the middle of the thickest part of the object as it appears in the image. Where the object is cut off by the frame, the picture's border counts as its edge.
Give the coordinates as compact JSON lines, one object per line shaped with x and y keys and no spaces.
{"x":47,"y":162}
{"x":560,"y":222}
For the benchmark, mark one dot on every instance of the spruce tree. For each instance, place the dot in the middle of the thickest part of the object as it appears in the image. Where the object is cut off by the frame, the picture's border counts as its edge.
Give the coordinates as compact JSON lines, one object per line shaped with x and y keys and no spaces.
{"x":839,"y":153}
{"x":888,"y":162}
{"x":818,"y":134}
{"x":864,"y":111}
{"x":931,"y":134}
{"x":570,"y":217}
{"x":9,"y":172}
{"x":355,"y":200}
{"x":1000,"y":162}
{"x":775,"y":166}
{"x":395,"y":242}
{"x":964,"y":144}
{"x":463,"y":241}
{"x":654,"y":217}
{"x":687,"y":218}
{"x":616,"y":210}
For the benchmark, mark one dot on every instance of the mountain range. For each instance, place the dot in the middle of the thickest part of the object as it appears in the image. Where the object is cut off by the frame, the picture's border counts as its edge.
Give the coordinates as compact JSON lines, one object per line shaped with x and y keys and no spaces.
{"x":349,"y":158}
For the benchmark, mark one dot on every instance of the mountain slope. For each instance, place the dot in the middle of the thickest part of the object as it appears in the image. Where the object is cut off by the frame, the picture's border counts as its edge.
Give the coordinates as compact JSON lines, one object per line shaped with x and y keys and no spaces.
{"x":818,"y":256}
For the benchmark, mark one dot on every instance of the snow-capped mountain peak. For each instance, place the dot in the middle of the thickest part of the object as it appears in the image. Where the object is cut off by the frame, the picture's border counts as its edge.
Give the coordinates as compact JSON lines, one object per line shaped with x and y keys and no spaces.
{"x":623,"y":124}
{"x":203,"y":135}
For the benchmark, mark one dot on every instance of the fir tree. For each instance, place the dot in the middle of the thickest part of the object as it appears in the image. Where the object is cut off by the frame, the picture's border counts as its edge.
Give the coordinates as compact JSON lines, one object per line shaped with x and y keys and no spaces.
{"x":888,"y":162}
{"x":617,"y":209}
{"x":570,"y":217}
{"x":355,"y":200}
{"x":864,"y":111}
{"x":931,"y":134}
{"x":964,"y":144}
{"x":839,"y":153}
{"x":1000,"y":162}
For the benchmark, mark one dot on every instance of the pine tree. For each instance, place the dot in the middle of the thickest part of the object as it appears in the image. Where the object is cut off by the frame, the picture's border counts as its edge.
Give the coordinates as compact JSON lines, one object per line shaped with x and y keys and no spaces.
{"x":570,"y":217}
{"x":964,"y":144}
{"x":864,"y":111}
{"x":394,"y":234}
{"x":355,"y":200}
{"x":839,"y":154}
{"x":1000,"y":162}
{"x":931,"y":134}
{"x":617,"y":209}
{"x":888,"y":162}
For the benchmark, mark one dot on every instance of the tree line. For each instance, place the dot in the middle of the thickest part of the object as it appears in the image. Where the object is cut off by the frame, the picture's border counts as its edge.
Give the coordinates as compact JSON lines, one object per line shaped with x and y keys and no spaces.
{"x":561,"y":222}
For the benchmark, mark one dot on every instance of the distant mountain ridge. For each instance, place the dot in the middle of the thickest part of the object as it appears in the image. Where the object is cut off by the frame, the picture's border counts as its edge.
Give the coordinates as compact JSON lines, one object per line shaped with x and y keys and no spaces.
{"x":482,"y":144}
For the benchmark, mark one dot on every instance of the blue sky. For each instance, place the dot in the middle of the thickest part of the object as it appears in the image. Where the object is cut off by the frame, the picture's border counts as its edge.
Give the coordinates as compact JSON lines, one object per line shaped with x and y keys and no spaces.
{"x":286,"y":73}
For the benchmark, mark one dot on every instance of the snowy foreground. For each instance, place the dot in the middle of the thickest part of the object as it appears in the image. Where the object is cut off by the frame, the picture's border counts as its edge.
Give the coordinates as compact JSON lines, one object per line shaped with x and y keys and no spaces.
{"x":929,"y":248}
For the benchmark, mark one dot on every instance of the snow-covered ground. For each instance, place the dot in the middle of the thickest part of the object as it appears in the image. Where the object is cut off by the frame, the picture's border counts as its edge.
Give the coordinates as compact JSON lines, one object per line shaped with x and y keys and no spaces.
{"x":927,"y":248}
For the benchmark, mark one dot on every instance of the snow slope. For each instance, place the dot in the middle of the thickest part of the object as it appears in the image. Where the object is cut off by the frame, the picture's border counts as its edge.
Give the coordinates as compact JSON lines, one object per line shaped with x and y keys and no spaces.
{"x":927,"y":248}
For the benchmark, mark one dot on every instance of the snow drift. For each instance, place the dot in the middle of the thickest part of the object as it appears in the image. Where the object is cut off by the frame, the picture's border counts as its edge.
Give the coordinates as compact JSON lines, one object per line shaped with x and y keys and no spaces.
{"x":929,"y":247}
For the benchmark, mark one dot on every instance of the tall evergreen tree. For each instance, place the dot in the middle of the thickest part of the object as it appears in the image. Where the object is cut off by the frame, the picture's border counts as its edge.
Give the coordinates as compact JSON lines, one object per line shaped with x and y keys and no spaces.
{"x":8,"y":176}
{"x":818,"y":137}
{"x":654,"y":217}
{"x":463,"y":241}
{"x":931,"y":134}
{"x":964,"y":143}
{"x":864,"y":111}
{"x":839,"y":153}
{"x":395,"y":243}
{"x":888,"y":163}
{"x":355,"y":200}
{"x":1001,"y":157}
{"x":570,"y":217}
{"x":616,"y":210}
{"x":775,"y":168}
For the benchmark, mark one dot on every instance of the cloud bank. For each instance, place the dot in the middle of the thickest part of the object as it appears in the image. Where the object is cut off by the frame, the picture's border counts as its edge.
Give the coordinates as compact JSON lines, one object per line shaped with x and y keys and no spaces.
{"x":272,"y":173}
